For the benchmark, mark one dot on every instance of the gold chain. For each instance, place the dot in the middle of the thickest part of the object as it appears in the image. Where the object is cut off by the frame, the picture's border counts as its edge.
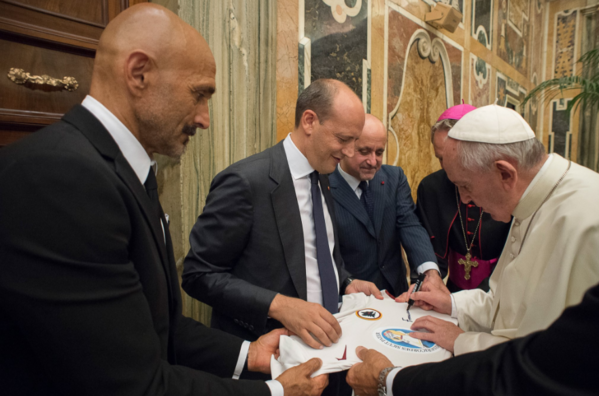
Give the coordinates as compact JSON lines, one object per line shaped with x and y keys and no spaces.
{"x":462,"y":223}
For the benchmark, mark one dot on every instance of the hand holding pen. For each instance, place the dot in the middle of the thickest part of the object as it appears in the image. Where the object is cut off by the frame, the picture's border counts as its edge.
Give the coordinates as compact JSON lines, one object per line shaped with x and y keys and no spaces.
{"x":419,"y":283}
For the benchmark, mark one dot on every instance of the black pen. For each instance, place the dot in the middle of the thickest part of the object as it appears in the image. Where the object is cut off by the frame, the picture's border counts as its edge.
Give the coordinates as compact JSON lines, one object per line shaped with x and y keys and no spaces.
{"x":419,"y":282}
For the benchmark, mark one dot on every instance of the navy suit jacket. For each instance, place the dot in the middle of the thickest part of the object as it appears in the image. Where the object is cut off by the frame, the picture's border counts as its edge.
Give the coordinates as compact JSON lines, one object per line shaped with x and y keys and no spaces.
{"x":371,"y":251}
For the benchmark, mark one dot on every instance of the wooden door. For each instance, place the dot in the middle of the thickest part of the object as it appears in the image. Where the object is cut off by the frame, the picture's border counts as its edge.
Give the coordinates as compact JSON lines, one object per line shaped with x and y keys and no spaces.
{"x":50,"y":40}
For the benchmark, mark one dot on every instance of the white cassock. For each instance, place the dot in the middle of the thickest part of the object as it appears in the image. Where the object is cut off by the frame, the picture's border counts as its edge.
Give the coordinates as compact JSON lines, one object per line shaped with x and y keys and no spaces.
{"x":558,"y":261}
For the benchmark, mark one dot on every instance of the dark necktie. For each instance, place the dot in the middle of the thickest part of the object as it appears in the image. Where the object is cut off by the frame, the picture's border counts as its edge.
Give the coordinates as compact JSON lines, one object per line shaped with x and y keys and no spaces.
{"x":330,"y":295}
{"x":152,"y":189}
{"x":366,"y":199}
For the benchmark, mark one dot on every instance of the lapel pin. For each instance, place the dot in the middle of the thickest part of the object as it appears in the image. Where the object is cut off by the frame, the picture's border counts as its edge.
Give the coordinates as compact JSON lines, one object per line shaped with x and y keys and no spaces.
{"x":329,"y":187}
{"x":383,"y":183}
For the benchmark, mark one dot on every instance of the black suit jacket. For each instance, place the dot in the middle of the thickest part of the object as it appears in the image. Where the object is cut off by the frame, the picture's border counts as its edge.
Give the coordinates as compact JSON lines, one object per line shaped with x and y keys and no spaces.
{"x":372,"y":250}
{"x":248,"y":244}
{"x":89,"y":297}
{"x":437,"y":210}
{"x":561,"y":360}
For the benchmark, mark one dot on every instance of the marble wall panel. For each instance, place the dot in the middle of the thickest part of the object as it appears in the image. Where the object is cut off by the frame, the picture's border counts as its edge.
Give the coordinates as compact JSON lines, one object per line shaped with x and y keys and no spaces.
{"x":287,"y":65}
{"x":501,"y":90}
{"x":514,"y":28}
{"x":565,"y":41}
{"x":338,"y":34}
{"x":424,"y":78}
{"x":480,"y":82}
{"x":538,"y":33}
{"x":560,"y":137}
{"x":482,"y":19}
{"x":518,"y":13}
{"x":510,"y":94}
{"x":537,"y":28}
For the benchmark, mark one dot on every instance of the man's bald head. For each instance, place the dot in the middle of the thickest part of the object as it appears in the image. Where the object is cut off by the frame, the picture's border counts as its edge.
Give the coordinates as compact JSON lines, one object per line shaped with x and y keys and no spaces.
{"x":329,"y":118}
{"x":368,"y":157}
{"x":150,"y":28}
{"x":156,"y":74}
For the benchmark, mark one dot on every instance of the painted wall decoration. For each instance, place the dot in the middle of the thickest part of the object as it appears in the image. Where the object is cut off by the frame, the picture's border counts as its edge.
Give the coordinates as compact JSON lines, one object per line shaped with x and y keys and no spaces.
{"x":565,"y":40}
{"x":480,"y":82}
{"x":560,"y":137}
{"x":482,"y":17}
{"x":513,"y":22}
{"x":407,"y":72}
{"x":510,"y":94}
{"x":518,"y":13}
{"x":337,"y":33}
{"x":424,"y":74}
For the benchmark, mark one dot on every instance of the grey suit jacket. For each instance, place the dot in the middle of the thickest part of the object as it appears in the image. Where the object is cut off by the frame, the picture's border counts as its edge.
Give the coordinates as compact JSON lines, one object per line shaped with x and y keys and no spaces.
{"x":371,"y":249}
{"x":248,"y":244}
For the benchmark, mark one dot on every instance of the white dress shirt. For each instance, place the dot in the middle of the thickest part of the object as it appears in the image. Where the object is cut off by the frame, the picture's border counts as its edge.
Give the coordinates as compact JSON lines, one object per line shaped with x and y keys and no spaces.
{"x":354,"y":184}
{"x":300,"y":173}
{"x":141,"y":162}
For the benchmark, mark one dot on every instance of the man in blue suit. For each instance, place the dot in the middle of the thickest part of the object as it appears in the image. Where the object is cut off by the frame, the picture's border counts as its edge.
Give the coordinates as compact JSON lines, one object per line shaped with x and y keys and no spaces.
{"x":375,"y":214}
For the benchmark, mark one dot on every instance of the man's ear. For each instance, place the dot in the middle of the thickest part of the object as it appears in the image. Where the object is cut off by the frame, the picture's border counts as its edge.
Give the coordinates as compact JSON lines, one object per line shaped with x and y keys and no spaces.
{"x":308,"y":121}
{"x":508,"y":174}
{"x":137,"y":68}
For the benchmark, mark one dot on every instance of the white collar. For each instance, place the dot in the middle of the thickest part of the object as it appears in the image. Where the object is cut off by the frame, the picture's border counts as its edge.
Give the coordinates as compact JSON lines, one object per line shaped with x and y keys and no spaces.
{"x":298,"y":163}
{"x":352,"y":181}
{"x":131,"y":148}
{"x":538,"y":175}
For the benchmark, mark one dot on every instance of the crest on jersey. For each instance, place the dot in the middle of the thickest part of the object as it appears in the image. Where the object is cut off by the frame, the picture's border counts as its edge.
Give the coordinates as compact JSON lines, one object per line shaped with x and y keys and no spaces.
{"x":398,"y":338}
{"x":369,"y":314}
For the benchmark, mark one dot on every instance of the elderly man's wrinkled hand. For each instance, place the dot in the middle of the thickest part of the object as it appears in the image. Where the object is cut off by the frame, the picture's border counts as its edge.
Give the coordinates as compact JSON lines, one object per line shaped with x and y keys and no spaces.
{"x":441,"y":332}
{"x":433,"y":281}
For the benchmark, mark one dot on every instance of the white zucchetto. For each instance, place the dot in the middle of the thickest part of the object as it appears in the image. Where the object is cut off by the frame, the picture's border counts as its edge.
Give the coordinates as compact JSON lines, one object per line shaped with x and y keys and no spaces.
{"x":492,"y":124}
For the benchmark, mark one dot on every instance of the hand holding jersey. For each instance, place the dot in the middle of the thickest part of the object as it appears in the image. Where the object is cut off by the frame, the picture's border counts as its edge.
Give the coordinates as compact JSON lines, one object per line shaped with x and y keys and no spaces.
{"x":299,"y":381}
{"x":316,"y":326}
{"x":306,"y":319}
{"x":383,"y":325}
{"x":262,"y":349}
{"x":363,"y":376}
{"x":360,"y":286}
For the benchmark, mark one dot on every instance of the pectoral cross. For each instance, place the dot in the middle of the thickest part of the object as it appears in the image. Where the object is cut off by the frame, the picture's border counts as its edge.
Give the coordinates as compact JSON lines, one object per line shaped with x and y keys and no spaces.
{"x":468,"y":265}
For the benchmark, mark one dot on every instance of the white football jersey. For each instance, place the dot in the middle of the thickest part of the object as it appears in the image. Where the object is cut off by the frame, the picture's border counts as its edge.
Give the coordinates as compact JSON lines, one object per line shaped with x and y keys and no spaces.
{"x":383,"y":325}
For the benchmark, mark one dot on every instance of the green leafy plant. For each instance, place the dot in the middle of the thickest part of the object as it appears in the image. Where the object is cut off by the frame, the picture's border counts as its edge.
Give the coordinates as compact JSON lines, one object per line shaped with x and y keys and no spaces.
{"x":587,"y":83}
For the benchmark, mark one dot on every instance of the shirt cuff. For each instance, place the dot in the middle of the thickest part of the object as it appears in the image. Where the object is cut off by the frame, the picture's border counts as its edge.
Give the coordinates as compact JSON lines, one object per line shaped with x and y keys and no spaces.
{"x":243,"y":355}
{"x":454,"y":308}
{"x":427,"y":265}
{"x":276,"y":389}
{"x":390,"y":379}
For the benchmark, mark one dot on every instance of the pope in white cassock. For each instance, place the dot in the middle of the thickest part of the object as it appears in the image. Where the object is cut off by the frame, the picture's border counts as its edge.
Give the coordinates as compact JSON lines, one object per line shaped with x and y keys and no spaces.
{"x":550,"y":258}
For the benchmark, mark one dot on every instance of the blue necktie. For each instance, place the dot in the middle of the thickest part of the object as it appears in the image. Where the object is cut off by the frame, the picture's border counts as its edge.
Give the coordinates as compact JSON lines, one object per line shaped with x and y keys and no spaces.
{"x":366,"y":199}
{"x":330,"y":295}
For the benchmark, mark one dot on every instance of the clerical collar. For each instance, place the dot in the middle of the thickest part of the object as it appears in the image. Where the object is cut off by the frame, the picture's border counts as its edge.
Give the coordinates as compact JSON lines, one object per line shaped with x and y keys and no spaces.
{"x":352,"y":181}
{"x":298,"y":163}
{"x":546,"y":182}
{"x":131,"y":148}
{"x":538,"y":175}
